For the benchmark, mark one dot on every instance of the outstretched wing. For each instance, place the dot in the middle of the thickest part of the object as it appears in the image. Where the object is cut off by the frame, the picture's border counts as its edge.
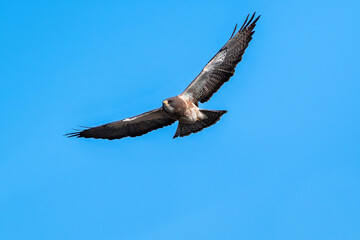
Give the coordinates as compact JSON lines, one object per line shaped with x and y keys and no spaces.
{"x":129,"y":127}
{"x":222,"y":66}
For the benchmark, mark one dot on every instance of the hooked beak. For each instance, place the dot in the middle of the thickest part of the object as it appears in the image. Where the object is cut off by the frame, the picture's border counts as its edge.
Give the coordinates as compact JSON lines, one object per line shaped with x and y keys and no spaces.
{"x":166,"y":103}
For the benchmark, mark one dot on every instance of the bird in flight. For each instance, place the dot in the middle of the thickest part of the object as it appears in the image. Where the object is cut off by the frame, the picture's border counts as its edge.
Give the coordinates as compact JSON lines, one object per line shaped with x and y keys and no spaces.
{"x":184,"y":107}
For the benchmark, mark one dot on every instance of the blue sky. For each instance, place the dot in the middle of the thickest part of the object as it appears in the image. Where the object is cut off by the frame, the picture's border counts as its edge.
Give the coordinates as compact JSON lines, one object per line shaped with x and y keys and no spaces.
{"x":283,"y":163}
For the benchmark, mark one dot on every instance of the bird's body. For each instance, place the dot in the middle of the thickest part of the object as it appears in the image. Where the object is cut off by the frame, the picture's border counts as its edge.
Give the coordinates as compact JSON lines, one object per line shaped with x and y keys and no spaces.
{"x":184,"y":108}
{"x":181,"y":109}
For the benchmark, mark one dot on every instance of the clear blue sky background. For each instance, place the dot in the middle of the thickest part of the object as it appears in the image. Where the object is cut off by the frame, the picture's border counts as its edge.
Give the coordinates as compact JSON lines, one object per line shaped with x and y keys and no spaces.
{"x":283,"y":163}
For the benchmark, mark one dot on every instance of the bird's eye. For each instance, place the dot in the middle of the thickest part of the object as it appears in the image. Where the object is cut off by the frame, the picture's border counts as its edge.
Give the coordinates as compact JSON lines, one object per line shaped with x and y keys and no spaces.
{"x":169,"y":101}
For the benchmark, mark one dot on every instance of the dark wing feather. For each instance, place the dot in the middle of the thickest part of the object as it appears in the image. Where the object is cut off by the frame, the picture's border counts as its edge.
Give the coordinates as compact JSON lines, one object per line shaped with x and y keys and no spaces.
{"x":129,"y":127}
{"x":222,"y":66}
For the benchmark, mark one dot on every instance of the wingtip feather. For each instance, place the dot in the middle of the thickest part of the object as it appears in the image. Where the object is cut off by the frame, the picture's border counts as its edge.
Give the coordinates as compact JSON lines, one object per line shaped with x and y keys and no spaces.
{"x":249,"y":22}
{"x":233,"y":31}
{"x":72,"y":134}
{"x":247,"y":17}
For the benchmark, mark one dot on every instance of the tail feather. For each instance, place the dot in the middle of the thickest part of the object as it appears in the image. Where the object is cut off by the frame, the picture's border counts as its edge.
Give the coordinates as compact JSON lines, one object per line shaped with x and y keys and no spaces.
{"x":212,"y":117}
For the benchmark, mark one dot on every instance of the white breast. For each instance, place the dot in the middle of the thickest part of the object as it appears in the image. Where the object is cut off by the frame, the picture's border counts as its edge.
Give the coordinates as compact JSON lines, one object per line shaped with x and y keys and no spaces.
{"x":192,"y":113}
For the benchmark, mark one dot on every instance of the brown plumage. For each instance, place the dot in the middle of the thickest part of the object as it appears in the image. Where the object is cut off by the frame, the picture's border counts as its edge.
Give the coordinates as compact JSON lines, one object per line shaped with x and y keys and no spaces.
{"x":129,"y":127}
{"x":222,"y":66}
{"x":184,"y":107}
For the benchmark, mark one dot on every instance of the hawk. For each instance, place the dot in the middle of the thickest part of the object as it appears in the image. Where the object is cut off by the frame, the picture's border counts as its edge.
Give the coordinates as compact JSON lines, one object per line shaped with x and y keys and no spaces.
{"x":185,"y":107}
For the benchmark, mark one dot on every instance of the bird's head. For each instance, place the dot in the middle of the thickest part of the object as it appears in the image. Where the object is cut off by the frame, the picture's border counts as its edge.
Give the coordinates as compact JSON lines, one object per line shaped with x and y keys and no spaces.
{"x":170,"y":104}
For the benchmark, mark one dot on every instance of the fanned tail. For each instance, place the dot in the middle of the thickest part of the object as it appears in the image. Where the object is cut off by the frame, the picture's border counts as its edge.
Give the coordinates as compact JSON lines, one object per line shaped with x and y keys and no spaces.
{"x":212,"y":116}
